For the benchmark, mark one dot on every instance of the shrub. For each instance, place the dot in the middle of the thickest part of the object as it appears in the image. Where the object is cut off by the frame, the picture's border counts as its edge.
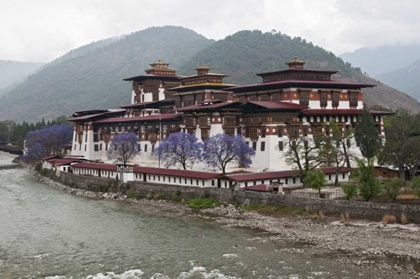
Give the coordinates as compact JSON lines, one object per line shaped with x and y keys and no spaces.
{"x":349,"y":190}
{"x":202,"y":203}
{"x":158,"y":197}
{"x":389,"y":219}
{"x":415,"y":185}
{"x":404,"y":219}
{"x":206,"y":195}
{"x":149,"y":196}
{"x":393,"y":187}
{"x":369,"y":186}
{"x":131,"y":196}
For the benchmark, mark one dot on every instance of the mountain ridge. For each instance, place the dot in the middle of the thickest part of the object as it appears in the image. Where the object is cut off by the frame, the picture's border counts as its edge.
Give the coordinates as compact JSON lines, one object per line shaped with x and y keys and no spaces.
{"x":92,"y":80}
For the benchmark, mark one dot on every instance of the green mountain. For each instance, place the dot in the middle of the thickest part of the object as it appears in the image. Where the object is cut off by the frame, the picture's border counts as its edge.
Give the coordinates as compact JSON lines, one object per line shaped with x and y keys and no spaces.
{"x":14,"y":71}
{"x":90,"y":78}
{"x":248,"y":52}
{"x":377,"y":61}
{"x":93,"y":78}
{"x":406,"y":79}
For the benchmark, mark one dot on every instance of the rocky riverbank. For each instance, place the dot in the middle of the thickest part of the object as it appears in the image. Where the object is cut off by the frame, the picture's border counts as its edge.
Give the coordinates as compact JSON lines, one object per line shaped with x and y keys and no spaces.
{"x":393,"y":251}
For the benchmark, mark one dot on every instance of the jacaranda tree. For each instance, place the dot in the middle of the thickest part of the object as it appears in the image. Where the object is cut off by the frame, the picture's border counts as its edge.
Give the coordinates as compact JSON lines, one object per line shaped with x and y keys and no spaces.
{"x":179,"y":149}
{"x":221,"y":149}
{"x":124,"y":147}
{"x":50,"y":140}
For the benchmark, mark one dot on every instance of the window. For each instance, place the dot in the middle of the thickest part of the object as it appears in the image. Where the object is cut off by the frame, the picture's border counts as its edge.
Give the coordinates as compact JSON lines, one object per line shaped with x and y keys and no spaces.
{"x":304,"y":98}
{"x":153,"y":147}
{"x":348,"y":143}
{"x":335,"y":99}
{"x":145,"y":148}
{"x":279,"y":131}
{"x":294,"y":180}
{"x":212,"y":183}
{"x":100,"y":147}
{"x":254,"y":145}
{"x":329,"y":177}
{"x":353,"y":100}
{"x":324,"y":99}
{"x":305,"y":144}
{"x":280,"y":146}
{"x":86,"y":137}
{"x":344,"y":176}
{"x":263,"y":146}
{"x":96,"y":147}
{"x":85,"y":147}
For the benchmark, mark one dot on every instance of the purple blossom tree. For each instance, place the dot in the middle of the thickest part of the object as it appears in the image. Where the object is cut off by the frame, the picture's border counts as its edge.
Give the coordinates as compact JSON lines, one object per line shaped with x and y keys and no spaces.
{"x":50,"y":140}
{"x":123,"y":147}
{"x":179,"y":149}
{"x":221,"y":149}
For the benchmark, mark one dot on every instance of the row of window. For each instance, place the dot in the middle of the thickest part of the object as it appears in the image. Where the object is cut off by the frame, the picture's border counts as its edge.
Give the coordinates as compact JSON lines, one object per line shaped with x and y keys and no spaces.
{"x":169,"y":179}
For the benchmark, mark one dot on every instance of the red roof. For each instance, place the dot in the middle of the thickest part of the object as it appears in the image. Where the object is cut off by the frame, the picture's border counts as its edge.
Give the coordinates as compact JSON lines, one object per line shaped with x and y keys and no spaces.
{"x":97,"y":166}
{"x":276,"y":105}
{"x":288,"y":82}
{"x":167,"y":116}
{"x":298,"y":70}
{"x":277,"y":174}
{"x":259,"y":188}
{"x":89,"y":116}
{"x":177,"y":173}
{"x":331,"y":111}
{"x":202,"y":107}
{"x":343,"y":112}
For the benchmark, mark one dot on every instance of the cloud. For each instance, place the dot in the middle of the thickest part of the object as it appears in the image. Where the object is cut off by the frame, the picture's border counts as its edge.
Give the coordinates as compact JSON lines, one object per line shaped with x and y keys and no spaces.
{"x":45,"y":29}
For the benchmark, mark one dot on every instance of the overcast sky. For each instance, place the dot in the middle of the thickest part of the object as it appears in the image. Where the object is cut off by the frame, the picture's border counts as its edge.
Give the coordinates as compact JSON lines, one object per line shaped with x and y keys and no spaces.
{"x":41,"y":30}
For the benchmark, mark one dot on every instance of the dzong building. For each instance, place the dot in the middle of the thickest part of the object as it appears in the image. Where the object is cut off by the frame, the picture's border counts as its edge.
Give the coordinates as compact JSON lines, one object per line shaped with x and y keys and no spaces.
{"x":286,"y":105}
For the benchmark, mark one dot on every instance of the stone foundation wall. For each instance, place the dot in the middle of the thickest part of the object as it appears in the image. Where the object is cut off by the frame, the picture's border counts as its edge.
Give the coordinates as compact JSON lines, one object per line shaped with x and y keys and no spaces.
{"x":365,"y":210}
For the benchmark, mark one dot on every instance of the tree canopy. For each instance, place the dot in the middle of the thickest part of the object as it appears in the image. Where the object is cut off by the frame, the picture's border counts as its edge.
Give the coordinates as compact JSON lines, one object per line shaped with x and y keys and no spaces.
{"x":221,"y":149}
{"x":179,"y":149}
{"x":50,"y":140}
{"x":124,"y":147}
{"x":367,"y":136}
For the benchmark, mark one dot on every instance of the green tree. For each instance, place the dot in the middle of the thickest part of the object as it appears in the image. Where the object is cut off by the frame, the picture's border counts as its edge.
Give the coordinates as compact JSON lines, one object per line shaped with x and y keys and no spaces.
{"x":315,"y":180}
{"x":333,"y":148}
{"x":415,"y":185}
{"x":367,"y":136}
{"x":393,"y":187}
{"x":369,"y":186}
{"x":303,"y":154}
{"x":349,"y":190}
{"x":402,"y":146}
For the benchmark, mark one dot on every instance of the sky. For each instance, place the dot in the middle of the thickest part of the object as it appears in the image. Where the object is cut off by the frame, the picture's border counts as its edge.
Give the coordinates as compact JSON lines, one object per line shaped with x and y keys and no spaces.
{"x":42,"y":30}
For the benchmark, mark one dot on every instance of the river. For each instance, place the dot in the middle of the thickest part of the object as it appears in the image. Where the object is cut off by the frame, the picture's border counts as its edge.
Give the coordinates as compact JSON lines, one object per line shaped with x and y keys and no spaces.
{"x":45,"y":233}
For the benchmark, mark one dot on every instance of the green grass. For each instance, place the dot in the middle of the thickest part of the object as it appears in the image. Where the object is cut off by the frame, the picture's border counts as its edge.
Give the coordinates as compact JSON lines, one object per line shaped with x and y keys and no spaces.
{"x":132,"y":196}
{"x":202,"y":203}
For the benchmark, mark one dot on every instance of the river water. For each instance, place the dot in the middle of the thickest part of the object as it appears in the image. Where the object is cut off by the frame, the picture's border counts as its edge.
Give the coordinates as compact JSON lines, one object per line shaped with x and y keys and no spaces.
{"x":45,"y":233}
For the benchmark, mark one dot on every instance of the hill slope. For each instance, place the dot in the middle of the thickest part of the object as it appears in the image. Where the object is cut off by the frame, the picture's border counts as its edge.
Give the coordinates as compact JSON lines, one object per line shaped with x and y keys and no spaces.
{"x":376,"y":61}
{"x":93,"y":79}
{"x":13,"y":71}
{"x":248,"y":52}
{"x":406,"y":79}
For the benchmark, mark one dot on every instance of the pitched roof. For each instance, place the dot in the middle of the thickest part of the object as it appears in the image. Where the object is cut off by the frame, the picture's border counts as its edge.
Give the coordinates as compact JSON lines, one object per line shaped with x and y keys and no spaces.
{"x":177,"y":173}
{"x":298,"y":82}
{"x":166,"y":116}
{"x":276,"y":174}
{"x":98,"y":166}
{"x":211,"y":106}
{"x":276,"y":105}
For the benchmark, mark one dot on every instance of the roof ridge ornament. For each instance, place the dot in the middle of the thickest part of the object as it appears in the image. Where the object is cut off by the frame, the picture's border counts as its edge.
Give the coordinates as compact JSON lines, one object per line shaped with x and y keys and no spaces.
{"x":296,"y":63}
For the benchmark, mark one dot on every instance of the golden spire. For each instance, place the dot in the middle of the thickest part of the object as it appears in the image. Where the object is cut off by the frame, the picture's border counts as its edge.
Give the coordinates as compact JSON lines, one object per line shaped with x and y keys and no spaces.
{"x":296,"y":63}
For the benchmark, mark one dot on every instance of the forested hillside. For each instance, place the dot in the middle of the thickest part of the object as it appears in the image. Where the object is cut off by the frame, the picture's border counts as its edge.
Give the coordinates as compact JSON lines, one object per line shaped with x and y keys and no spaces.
{"x":13,"y":71}
{"x":93,"y":80}
{"x":90,"y":77}
{"x":248,"y":52}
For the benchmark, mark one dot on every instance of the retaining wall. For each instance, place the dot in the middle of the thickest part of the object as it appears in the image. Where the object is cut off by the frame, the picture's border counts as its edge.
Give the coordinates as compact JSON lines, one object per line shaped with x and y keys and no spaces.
{"x":358,"y":209}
